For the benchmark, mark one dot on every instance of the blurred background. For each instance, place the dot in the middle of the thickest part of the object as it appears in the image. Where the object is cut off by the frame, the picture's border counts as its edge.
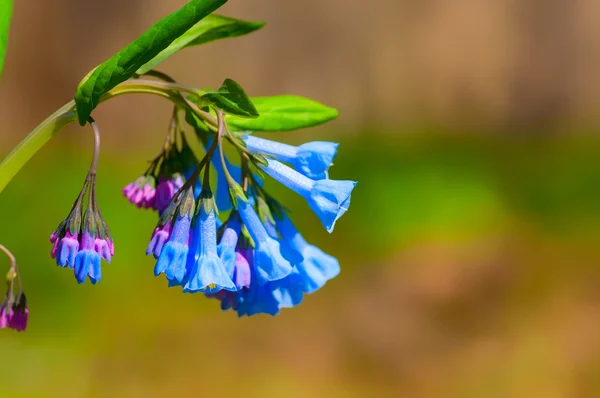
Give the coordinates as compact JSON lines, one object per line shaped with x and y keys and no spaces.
{"x":470,"y":254}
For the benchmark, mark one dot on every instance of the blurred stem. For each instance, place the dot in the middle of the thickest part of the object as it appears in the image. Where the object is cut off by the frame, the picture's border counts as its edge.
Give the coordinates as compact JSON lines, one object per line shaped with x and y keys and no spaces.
{"x":14,"y":269}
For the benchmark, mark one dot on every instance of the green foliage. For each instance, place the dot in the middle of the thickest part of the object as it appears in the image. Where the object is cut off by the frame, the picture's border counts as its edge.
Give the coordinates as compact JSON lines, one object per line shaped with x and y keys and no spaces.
{"x":5,"y":14}
{"x":126,"y":62}
{"x":231,"y":98}
{"x":211,"y":28}
{"x":284,"y":113}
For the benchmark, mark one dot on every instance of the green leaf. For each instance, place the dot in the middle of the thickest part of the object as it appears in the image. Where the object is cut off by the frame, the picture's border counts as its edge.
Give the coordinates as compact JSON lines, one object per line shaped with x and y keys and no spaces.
{"x":231,"y":98}
{"x":126,"y":62}
{"x":5,"y":14}
{"x":284,"y":113}
{"x":211,"y":28}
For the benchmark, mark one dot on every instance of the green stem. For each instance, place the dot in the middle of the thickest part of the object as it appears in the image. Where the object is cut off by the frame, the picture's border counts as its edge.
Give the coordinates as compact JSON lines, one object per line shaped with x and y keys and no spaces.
{"x":11,"y":165}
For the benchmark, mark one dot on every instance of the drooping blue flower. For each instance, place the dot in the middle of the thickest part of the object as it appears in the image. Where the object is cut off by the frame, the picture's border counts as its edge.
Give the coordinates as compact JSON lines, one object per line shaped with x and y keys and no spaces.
{"x":173,"y":257}
{"x":270,"y":297}
{"x":269,"y":263}
{"x":256,"y":299}
{"x":66,"y":250}
{"x":228,"y":243}
{"x":317,"y":267}
{"x":208,"y":273}
{"x":312,"y":159}
{"x":87,"y":261}
{"x":329,"y":199}
{"x":289,"y":253}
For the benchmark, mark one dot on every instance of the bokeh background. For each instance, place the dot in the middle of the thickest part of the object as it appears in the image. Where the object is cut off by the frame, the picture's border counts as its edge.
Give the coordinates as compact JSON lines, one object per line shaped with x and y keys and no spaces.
{"x":470,"y":252}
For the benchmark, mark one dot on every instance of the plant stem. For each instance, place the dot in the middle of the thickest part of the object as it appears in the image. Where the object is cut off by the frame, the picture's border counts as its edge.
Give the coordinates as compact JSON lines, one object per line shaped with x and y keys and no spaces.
{"x":96,"y":155}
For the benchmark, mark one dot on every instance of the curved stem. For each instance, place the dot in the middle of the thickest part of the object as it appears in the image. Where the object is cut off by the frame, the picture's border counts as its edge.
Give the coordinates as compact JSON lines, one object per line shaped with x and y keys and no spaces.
{"x":96,"y":155}
{"x":13,"y":265}
{"x":11,"y":257}
{"x":67,"y":114}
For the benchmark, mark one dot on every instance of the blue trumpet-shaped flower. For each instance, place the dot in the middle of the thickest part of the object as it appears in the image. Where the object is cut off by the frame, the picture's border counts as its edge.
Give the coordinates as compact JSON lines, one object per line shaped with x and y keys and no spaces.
{"x":317,"y":267}
{"x":257,"y":299}
{"x":67,"y":249}
{"x":269,"y":263}
{"x":329,"y":199}
{"x":207,"y":273}
{"x":312,"y":159}
{"x":87,"y":261}
{"x":172,"y":258}
{"x":228,"y":243}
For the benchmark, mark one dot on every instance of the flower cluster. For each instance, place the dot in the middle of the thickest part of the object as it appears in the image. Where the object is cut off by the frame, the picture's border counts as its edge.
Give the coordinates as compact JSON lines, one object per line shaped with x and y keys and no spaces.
{"x":82,"y":239}
{"x":14,"y":312}
{"x":238,"y":246}
{"x":252,"y":259}
{"x":165,"y":175}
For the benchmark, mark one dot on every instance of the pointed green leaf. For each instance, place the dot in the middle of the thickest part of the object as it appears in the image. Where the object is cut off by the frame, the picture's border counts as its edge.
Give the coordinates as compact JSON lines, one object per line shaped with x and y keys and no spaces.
{"x":213,"y":27}
{"x":5,"y":14}
{"x":231,"y":98}
{"x":126,"y":62}
{"x":284,"y":113}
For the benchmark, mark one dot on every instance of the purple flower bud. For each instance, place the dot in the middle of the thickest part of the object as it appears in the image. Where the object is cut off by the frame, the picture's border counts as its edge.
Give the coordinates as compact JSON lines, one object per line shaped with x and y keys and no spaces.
{"x":16,"y":316}
{"x":54,"y":237}
{"x":5,"y":316}
{"x":141,"y":192}
{"x":18,"y":320}
{"x":160,"y":236}
{"x":165,"y":191}
{"x":102,"y":248}
{"x":241,"y":274}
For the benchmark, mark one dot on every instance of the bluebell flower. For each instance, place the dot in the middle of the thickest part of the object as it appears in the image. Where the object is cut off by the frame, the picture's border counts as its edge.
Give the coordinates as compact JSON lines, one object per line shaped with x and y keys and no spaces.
{"x":269,"y":263}
{"x":288,"y":252}
{"x":242,"y":277}
{"x":66,"y":249}
{"x":317,"y":267}
{"x":329,"y":199}
{"x":208,"y":273}
{"x":82,"y":239}
{"x":271,"y":297}
{"x":312,"y":159}
{"x":289,"y":291}
{"x":256,"y":299}
{"x":87,"y":261}
{"x":228,"y":243}
{"x":172,"y":258}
